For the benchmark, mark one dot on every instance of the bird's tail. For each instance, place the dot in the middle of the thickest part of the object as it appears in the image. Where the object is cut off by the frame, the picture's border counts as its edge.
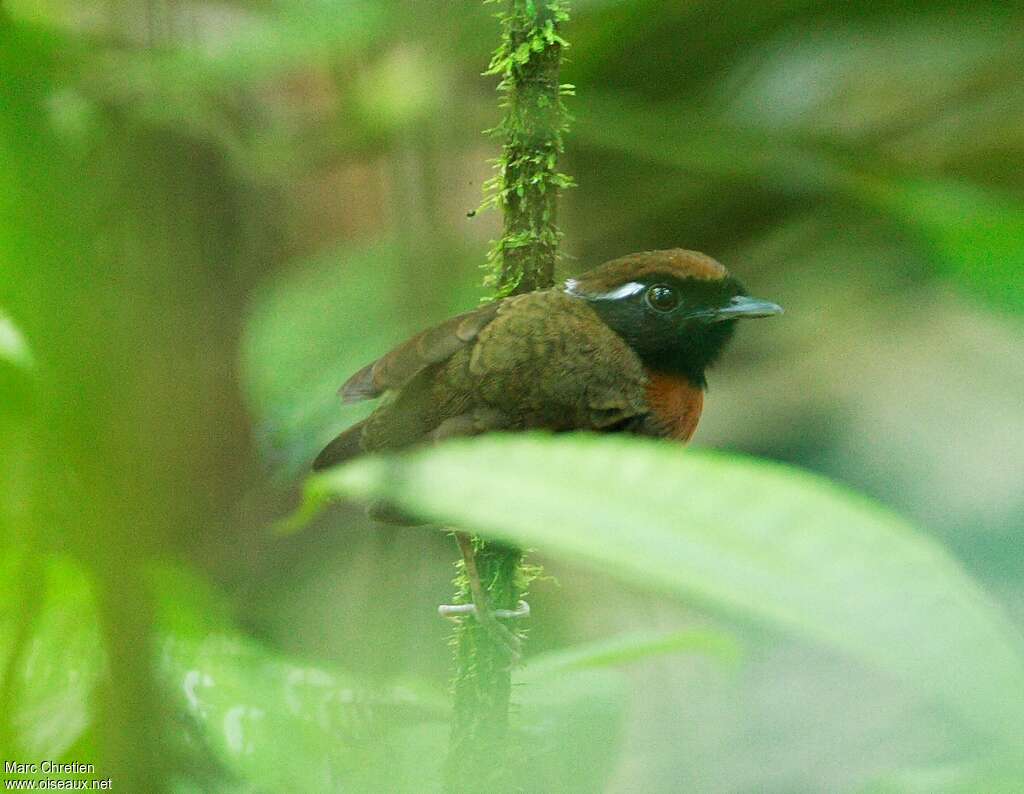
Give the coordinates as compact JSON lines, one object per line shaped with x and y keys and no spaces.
{"x":345,"y":447}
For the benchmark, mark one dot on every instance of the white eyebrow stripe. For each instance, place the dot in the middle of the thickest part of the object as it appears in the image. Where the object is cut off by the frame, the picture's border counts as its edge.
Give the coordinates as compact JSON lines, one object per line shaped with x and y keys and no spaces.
{"x":630,"y":288}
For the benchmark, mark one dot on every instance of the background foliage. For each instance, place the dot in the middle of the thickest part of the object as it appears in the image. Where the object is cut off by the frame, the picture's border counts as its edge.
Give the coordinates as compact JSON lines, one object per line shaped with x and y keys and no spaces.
{"x":212,"y":212}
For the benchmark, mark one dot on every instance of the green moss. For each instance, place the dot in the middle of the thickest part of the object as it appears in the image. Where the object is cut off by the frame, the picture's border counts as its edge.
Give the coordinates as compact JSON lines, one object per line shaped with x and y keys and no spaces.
{"x":527,"y":181}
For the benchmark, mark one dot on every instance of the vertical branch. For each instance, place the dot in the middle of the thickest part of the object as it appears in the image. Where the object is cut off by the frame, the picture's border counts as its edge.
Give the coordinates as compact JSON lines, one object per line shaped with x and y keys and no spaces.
{"x":527,"y":181}
{"x":483,"y":681}
{"x":525,"y":187}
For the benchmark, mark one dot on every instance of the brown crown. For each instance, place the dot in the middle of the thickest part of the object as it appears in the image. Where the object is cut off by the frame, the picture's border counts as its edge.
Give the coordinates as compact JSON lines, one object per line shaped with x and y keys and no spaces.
{"x":676,"y":262}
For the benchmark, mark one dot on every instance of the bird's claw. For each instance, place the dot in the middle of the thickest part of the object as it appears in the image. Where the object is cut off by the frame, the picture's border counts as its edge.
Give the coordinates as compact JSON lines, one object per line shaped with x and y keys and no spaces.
{"x":522,"y":610}
{"x":490,"y":620}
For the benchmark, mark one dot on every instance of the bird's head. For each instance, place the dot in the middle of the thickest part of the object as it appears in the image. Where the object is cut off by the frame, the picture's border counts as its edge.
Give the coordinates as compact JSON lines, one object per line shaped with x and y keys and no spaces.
{"x":677,"y":309}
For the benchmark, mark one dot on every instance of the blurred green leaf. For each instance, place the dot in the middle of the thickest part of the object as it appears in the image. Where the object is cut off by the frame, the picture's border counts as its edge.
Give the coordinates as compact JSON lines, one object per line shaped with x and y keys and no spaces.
{"x":312,"y":328}
{"x":281,"y":725}
{"x":258,"y":44}
{"x":56,"y":635}
{"x":692,"y":141}
{"x":306,"y":333}
{"x":569,"y":731}
{"x":186,"y":604}
{"x":17,"y":366}
{"x":982,"y":778}
{"x":976,"y":234}
{"x":760,"y":539}
{"x":60,"y":659}
{"x":633,"y":647}
{"x":268,"y":721}
{"x":14,"y":350}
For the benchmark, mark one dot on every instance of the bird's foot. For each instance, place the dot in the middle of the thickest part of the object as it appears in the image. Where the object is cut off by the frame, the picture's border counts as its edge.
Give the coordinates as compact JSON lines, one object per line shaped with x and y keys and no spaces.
{"x":491,"y":621}
{"x":486,"y":617}
{"x":522,"y":610}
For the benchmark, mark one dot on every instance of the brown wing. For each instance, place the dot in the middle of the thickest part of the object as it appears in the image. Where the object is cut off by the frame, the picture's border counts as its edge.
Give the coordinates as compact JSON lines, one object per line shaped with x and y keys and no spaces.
{"x":548,"y":361}
{"x":541,"y":360}
{"x":394,"y":372}
{"x":395,"y":369}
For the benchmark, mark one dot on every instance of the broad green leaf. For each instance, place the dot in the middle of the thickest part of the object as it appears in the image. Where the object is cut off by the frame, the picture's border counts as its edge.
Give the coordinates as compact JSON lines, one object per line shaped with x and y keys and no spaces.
{"x":762,"y":540}
{"x":633,"y":647}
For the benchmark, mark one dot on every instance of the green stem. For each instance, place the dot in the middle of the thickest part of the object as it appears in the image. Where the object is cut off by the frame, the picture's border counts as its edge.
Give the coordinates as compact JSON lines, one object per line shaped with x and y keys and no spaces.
{"x":483,"y":681}
{"x":527,"y":181}
{"x":525,"y":187}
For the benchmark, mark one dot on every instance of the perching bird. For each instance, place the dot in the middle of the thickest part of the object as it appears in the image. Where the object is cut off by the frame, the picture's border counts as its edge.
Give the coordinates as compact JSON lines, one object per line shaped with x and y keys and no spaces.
{"x":622,"y":348}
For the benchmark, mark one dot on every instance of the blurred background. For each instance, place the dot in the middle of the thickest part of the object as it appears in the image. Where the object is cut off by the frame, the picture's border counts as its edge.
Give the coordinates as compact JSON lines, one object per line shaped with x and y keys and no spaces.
{"x":211,"y":213}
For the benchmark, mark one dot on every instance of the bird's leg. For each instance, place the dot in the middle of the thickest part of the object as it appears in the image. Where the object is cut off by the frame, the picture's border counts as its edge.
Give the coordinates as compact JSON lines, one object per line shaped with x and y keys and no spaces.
{"x":487,"y":617}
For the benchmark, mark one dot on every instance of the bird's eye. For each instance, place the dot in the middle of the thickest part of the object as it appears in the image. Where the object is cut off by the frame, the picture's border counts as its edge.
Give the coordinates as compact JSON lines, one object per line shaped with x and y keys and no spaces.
{"x":662,"y":298}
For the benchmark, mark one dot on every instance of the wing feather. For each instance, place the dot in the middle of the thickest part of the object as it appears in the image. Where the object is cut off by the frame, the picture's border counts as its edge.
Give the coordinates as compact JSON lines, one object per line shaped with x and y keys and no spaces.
{"x":432,"y":346}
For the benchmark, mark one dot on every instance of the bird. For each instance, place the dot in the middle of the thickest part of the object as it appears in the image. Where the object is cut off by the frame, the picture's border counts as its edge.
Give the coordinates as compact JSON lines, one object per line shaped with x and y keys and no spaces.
{"x":623,"y":348}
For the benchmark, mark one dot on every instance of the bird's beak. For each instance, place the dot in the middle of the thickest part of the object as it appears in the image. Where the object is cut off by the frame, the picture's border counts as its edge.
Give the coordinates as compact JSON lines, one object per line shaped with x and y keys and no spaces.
{"x":740,"y":307}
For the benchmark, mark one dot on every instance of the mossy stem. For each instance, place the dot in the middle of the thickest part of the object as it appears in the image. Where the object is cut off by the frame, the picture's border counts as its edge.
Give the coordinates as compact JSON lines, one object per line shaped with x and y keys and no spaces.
{"x":525,"y":187}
